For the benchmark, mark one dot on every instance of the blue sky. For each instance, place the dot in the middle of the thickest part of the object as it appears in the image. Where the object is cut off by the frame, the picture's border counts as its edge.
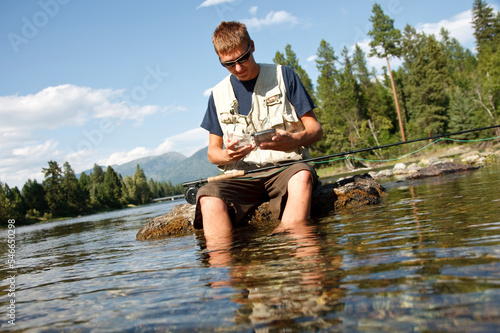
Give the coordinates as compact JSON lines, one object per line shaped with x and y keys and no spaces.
{"x":110,"y":81}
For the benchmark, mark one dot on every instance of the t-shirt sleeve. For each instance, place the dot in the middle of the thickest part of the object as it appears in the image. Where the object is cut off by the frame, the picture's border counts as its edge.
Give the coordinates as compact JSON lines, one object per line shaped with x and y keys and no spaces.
{"x":296,"y":92}
{"x":210,"y":121}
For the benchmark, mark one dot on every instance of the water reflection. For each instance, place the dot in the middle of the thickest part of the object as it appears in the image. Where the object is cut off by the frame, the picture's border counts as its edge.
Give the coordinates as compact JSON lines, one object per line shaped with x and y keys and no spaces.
{"x":281,"y":276}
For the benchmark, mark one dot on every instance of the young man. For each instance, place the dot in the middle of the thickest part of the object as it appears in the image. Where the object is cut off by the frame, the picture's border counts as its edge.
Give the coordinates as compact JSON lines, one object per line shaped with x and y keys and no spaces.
{"x":255,"y":97}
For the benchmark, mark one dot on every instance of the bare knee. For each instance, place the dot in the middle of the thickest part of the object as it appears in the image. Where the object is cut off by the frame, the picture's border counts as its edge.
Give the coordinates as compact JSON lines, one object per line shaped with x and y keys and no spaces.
{"x":209,"y":203}
{"x":301,"y":180}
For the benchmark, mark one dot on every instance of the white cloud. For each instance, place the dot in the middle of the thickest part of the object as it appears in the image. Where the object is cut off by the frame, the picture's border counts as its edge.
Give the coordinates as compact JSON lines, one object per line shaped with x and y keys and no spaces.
{"x":36,"y":151}
{"x":253,"y":10}
{"x":272,"y":18}
{"x":62,"y":123}
{"x":210,"y":3}
{"x":187,"y":143}
{"x":312,"y":58}
{"x":67,"y":105}
{"x":459,"y":27}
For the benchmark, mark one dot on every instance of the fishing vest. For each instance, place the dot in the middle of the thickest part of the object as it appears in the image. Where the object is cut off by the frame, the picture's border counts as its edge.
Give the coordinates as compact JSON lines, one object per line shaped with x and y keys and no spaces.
{"x":270,"y":109}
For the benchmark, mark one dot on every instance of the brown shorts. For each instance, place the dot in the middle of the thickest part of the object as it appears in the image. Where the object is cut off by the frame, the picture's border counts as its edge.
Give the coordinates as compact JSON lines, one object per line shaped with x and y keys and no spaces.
{"x":244,"y":194}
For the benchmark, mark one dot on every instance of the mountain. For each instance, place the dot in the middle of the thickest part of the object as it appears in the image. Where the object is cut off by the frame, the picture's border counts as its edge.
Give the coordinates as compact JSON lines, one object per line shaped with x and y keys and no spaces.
{"x":192,"y":168}
{"x":173,"y":167}
{"x":153,"y":166}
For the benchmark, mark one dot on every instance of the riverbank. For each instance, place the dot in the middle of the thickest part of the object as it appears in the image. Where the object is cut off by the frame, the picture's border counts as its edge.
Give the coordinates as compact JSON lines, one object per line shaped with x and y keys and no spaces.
{"x":475,"y":153}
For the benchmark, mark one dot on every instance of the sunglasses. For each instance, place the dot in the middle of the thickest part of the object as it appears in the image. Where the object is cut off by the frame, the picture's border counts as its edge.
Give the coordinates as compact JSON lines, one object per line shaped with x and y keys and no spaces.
{"x":244,"y":57}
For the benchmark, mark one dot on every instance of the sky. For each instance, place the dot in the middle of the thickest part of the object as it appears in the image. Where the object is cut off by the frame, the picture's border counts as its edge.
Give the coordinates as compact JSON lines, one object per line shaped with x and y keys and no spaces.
{"x":111,"y":81}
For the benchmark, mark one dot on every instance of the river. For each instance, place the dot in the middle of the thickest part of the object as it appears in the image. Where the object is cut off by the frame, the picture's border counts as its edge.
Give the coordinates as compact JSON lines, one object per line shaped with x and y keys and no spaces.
{"x":426,"y":259}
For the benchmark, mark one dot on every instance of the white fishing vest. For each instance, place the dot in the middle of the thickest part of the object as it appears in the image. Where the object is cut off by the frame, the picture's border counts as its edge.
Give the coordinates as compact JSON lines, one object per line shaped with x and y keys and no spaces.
{"x":270,"y":109}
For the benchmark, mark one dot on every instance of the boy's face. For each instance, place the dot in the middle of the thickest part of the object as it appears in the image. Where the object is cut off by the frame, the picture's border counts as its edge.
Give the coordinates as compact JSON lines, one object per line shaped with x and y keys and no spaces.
{"x":240,"y":62}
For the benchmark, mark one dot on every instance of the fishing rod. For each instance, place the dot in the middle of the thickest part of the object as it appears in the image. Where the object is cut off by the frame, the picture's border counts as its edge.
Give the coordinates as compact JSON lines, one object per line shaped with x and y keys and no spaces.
{"x":192,"y":186}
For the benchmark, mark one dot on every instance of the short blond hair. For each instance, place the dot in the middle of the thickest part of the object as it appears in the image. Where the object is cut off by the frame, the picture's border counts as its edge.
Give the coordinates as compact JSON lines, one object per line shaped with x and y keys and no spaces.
{"x":229,"y":36}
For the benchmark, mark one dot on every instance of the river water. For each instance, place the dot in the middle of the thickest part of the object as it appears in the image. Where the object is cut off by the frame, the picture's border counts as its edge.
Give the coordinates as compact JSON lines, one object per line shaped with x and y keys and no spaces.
{"x":426,"y":259}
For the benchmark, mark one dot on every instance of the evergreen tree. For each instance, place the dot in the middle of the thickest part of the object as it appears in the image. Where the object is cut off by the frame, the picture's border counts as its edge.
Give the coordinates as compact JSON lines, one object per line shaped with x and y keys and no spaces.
{"x":375,"y":103}
{"x":349,"y":103}
{"x":112,"y":188}
{"x":97,"y":174}
{"x":84,"y":185}
{"x":97,"y":193}
{"x":486,"y":26}
{"x":129,"y":190}
{"x":462,"y":113}
{"x":385,"y":43}
{"x":487,"y":32}
{"x":12,"y":204}
{"x":290,"y":59}
{"x":428,"y":100}
{"x":54,"y":194}
{"x":34,"y":198}
{"x":154,"y":189}
{"x":142,"y":194}
{"x":360,"y":68}
{"x":69,"y":185}
{"x":326,"y":111}
{"x":461,"y":62}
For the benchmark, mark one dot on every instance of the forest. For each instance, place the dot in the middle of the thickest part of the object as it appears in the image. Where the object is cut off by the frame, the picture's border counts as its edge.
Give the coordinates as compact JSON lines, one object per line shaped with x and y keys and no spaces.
{"x":440,"y":87}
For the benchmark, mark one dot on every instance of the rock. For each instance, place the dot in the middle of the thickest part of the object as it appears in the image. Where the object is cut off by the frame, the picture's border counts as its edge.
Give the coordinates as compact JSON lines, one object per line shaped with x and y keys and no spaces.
{"x":346,"y":193}
{"x":427,"y":161}
{"x":384,"y":173}
{"x":414,"y":170}
{"x":350,"y":192}
{"x":438,"y":169}
{"x":399,"y":166}
{"x":177,"y":222}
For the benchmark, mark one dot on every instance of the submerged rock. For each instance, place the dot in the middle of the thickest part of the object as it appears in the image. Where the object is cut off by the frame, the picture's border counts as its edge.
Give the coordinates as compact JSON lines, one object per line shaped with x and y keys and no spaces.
{"x":438,"y":169}
{"x":431,"y":169}
{"x":345,"y":193}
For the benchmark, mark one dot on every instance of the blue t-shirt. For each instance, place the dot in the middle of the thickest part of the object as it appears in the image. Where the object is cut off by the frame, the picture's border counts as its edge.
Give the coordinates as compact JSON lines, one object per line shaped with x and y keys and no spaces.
{"x":243,"y":90}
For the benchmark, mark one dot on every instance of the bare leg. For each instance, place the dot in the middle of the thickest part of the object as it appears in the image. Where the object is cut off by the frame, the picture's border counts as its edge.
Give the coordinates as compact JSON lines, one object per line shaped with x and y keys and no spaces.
{"x":217,"y":228}
{"x":298,"y":204}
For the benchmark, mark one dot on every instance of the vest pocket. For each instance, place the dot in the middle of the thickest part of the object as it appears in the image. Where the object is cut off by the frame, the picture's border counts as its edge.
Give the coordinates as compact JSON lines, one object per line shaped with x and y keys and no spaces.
{"x":273,"y":103}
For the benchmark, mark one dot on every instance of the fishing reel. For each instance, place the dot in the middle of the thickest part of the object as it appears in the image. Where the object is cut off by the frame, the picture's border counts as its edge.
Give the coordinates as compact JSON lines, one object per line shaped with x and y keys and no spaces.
{"x":190,"y":194}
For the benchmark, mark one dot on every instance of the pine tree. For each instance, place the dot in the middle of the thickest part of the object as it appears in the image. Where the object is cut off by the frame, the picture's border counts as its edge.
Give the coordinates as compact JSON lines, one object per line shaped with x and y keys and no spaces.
{"x":349,"y":102}
{"x":69,"y":185}
{"x":54,"y":194}
{"x":428,"y":81}
{"x":112,"y":188}
{"x":290,"y":59}
{"x":12,"y":204}
{"x":385,"y":43}
{"x":373,"y":101}
{"x":34,"y":198}
{"x":129,"y":189}
{"x":84,"y":185}
{"x":142,"y":194}
{"x":461,"y":62}
{"x":487,"y":32}
{"x":462,"y":113}
{"x":97,"y":193}
{"x":325,"y":93}
{"x":486,"y":26}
